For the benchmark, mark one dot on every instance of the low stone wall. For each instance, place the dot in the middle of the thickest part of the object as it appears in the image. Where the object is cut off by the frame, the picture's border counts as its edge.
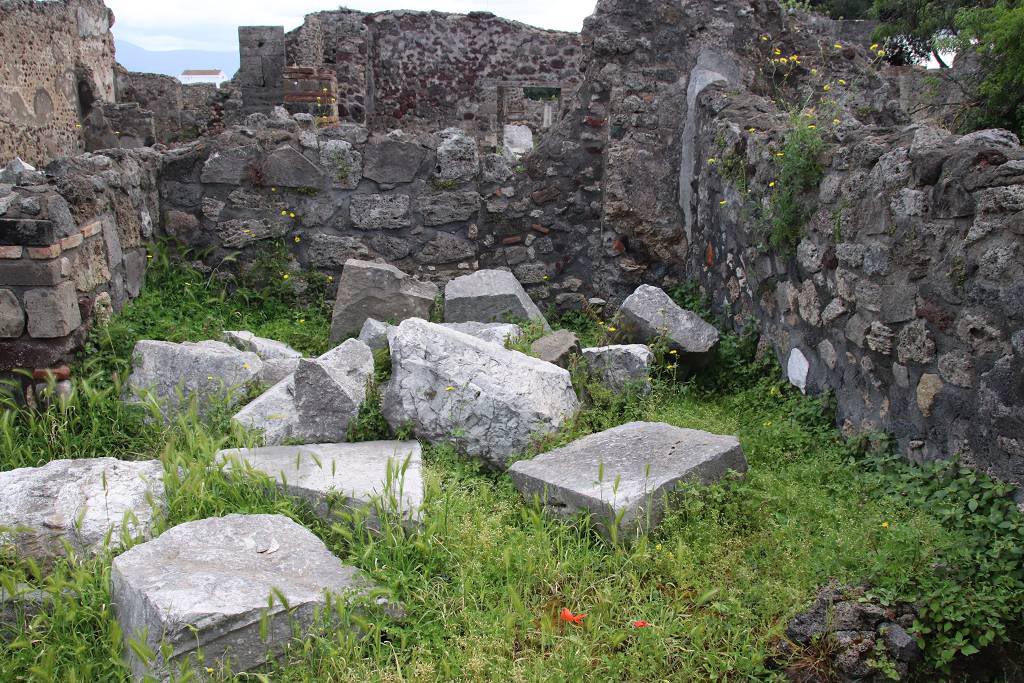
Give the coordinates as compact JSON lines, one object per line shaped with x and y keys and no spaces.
{"x":72,"y":247}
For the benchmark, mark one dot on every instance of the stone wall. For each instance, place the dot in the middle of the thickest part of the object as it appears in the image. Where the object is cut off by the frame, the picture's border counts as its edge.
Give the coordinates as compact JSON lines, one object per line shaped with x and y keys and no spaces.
{"x":72,"y":246}
{"x":260,"y":74}
{"x":157,"y":93}
{"x":57,"y":66}
{"x":421,"y":71}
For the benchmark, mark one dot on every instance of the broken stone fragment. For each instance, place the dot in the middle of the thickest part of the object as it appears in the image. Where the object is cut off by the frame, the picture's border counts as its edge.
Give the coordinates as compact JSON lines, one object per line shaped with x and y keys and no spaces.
{"x":489,"y":296}
{"x":79,"y":502}
{"x":649,"y":313}
{"x":491,"y":401}
{"x":558,"y":348}
{"x":279,"y":359}
{"x":232,"y":587}
{"x":373,"y":477}
{"x":621,"y":476}
{"x":273,"y":412}
{"x":208,"y":374}
{"x":378,"y":291}
{"x":620,"y":366}
{"x":329,"y":390}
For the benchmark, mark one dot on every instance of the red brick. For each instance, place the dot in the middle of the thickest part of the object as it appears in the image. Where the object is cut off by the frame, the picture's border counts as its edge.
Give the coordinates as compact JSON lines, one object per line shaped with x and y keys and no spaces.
{"x":52,"y":251}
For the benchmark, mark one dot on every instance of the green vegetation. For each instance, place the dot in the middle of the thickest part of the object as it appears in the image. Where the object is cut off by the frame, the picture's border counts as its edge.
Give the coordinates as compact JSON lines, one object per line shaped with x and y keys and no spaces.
{"x":484,"y":580}
{"x":995,"y":33}
{"x":444,"y":183}
{"x":800,"y":173}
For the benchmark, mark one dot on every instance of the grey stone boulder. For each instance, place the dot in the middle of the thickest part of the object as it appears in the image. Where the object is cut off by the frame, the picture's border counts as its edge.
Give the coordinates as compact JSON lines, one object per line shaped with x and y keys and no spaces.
{"x":208,"y":373}
{"x":489,"y":296}
{"x":620,"y":366}
{"x":379,"y":291}
{"x":329,"y":391}
{"x":279,"y":359}
{"x":274,"y":412}
{"x":374,"y":476}
{"x":210,"y":585}
{"x":78,"y":502}
{"x":496,"y":333}
{"x":451,"y":386}
{"x":558,"y":347}
{"x":626,"y":472}
{"x":374,"y":334}
{"x":649,"y":313}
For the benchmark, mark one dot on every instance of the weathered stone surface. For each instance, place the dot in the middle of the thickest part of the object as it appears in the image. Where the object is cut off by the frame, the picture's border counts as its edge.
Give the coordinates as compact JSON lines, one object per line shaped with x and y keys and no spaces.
{"x":928,"y":389}
{"x":52,"y":312}
{"x":957,"y":367}
{"x":495,"y":333}
{"x":380,"y":211}
{"x":489,"y":296}
{"x":626,"y":471}
{"x":287,"y":167}
{"x":518,"y":140}
{"x":208,"y":373}
{"x":342,"y":163}
{"x":279,"y":359}
{"x":374,"y":334}
{"x":447,"y":384}
{"x":392,"y":162}
{"x":914,"y":344}
{"x":649,"y":313}
{"x":273,"y":412}
{"x":78,"y":502}
{"x":330,"y":252}
{"x":230,"y":167}
{"x":373,"y":476}
{"x":206,"y":585}
{"x":239,"y":233}
{"x":621,"y":365}
{"x":448,"y":207}
{"x":329,"y":391}
{"x":378,"y":291}
{"x":457,"y":156}
{"x":445,"y":248}
{"x":558,"y":347}
{"x":12,"y":318}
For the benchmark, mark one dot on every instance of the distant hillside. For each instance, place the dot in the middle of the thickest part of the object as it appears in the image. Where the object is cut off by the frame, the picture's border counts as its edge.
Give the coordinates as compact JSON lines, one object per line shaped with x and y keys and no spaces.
{"x":173,"y":62}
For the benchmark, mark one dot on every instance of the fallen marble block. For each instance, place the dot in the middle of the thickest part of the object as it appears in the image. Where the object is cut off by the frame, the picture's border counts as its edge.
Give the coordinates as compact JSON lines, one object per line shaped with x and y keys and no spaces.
{"x":649,"y":314}
{"x":373,"y":477}
{"x":279,"y":359}
{"x":83,"y":503}
{"x":329,"y":390}
{"x":622,"y":476}
{"x":273,"y":412}
{"x":489,"y":296}
{"x":620,"y":366}
{"x":214,"y":584}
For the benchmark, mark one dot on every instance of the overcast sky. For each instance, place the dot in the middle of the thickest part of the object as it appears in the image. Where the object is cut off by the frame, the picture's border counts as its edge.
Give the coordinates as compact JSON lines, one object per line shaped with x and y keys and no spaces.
{"x":213,"y":24}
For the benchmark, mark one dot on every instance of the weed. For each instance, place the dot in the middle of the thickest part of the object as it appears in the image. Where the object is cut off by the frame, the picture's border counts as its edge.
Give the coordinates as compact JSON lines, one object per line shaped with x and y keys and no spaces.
{"x":444,"y":184}
{"x":800,"y":173}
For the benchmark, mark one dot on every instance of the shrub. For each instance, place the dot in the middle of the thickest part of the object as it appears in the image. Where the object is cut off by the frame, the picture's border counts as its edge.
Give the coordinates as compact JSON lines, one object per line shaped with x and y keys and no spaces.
{"x":800,"y":173}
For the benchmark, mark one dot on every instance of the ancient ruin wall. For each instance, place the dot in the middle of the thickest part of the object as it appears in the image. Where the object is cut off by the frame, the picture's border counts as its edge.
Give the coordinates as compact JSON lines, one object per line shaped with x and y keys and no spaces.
{"x":428,"y":70}
{"x":57,"y":64}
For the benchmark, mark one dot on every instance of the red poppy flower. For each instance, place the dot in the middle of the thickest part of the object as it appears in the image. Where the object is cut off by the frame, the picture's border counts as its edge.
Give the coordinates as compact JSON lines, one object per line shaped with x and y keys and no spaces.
{"x":640,"y":623}
{"x":567,"y":615}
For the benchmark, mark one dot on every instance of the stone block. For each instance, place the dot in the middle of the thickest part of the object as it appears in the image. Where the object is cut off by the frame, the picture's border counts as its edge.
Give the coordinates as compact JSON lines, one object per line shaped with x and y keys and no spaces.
{"x":135,"y":271}
{"x":489,"y":296}
{"x":371,"y":477}
{"x":558,"y":347}
{"x":12,"y":317}
{"x":52,"y":312}
{"x":218,"y":584}
{"x":230,"y":166}
{"x":620,"y":366}
{"x":448,"y":207}
{"x":392,"y":162}
{"x":342,"y":163}
{"x":445,"y":248}
{"x":287,"y":167}
{"x":457,"y":156}
{"x":649,"y":313}
{"x":625,"y":473}
{"x":27,"y":232}
{"x":30,"y":273}
{"x":79,"y":502}
{"x":273,"y":413}
{"x":495,"y":333}
{"x":329,"y":391}
{"x":379,"y":291}
{"x":380,"y":211}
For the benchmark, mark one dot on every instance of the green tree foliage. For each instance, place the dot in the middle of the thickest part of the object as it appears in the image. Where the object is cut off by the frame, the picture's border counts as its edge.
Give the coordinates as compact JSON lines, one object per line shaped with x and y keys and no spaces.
{"x":997,"y":33}
{"x":911,"y":28}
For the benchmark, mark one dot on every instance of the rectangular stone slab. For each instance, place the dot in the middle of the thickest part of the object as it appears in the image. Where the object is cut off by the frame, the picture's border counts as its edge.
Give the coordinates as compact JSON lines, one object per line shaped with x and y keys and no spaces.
{"x":336,"y":477}
{"x":627,"y":471}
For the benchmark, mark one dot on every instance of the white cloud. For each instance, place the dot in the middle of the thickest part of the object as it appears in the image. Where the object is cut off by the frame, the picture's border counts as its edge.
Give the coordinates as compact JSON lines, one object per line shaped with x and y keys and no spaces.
{"x":213,"y":24}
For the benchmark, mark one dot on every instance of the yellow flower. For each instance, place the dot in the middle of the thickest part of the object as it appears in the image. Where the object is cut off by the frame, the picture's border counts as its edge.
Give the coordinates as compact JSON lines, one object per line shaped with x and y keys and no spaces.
{"x":771,"y":184}
{"x":764,"y":39}
{"x":768,"y":423}
{"x":827,"y":87}
{"x":880,"y":53}
{"x":330,"y":278}
{"x":751,"y":130}
{"x":838,"y":46}
{"x":674,"y":352}
{"x":273,"y":189}
{"x":780,"y":154}
{"x":292,"y":214}
{"x":285,"y":276}
{"x":611,"y":329}
{"x":782,"y":60}
{"x":449,"y":388}
{"x":836,"y":122}
{"x":297,"y":239}
{"x":814,"y":72}
{"x":874,"y":46}
{"x":885,"y":525}
{"x":658,"y":547}
{"x":842,"y":82}
{"x":302,"y":321}
{"x":672,"y":366}
{"x":811,"y":126}
{"x":712,"y":161}
{"x":795,"y":58}
{"x":284,"y":213}
{"x":149,"y":256}
{"x":210,"y":377}
{"x":546,"y":277}
{"x":723,"y":202}
{"x":777,"y":51}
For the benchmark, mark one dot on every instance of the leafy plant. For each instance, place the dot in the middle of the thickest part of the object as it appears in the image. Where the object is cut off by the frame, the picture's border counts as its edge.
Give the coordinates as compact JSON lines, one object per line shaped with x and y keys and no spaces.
{"x":995,"y":34}
{"x":800,"y":173}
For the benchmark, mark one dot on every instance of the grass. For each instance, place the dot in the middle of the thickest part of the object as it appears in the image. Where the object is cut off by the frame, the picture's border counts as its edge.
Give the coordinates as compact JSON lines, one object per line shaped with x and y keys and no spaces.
{"x":485,"y":578}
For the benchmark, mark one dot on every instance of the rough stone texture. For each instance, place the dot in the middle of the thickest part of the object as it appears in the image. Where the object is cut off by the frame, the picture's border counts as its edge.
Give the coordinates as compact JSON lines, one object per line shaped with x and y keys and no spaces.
{"x":649,"y":313}
{"x":371,"y":477}
{"x":381,"y":211}
{"x":621,"y":365}
{"x":448,"y":207}
{"x":374,"y":334}
{"x":558,"y":347}
{"x":496,"y":333}
{"x":12,"y":318}
{"x":329,"y":391}
{"x":391,"y":161}
{"x":207,"y":373}
{"x":376,"y":290}
{"x":627,"y":471}
{"x":279,"y":359}
{"x":52,"y":312}
{"x":457,"y":157}
{"x":273,"y":412}
{"x":489,"y":296}
{"x":491,"y":401}
{"x":206,"y":584}
{"x":853,"y":625}
{"x":78,"y":502}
